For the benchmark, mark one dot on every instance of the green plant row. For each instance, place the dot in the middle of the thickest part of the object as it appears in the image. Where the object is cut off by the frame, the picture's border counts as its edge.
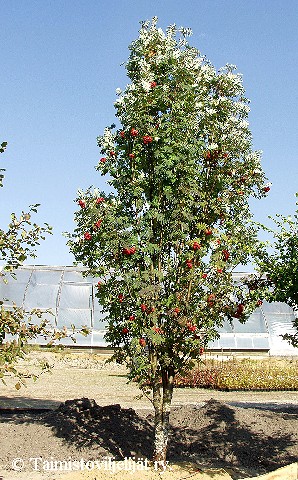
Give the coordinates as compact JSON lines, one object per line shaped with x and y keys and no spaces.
{"x":242,"y":375}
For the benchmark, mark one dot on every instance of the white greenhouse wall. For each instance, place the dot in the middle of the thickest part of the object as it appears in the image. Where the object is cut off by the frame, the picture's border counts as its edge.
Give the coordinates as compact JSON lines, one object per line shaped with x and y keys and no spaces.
{"x":71,"y":298}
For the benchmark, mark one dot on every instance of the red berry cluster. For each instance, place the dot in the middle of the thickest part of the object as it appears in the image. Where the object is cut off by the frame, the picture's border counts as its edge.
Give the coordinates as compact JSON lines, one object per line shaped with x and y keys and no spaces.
{"x":226,"y":255}
{"x":157,"y":330}
{"x":189,"y":264}
{"x":211,"y":300}
{"x":82,"y":203}
{"x":239,"y":311}
{"x":147,"y":139}
{"x":146,"y":309}
{"x":196,"y":246}
{"x":214,"y":154}
{"x":134,"y":132}
{"x":143,"y":307}
{"x":191,"y":327}
{"x":129,"y":251}
{"x":97,"y":224}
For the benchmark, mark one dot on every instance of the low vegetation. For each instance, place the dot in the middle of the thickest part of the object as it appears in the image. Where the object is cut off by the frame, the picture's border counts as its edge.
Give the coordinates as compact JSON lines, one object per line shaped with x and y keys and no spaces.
{"x":243,"y":374}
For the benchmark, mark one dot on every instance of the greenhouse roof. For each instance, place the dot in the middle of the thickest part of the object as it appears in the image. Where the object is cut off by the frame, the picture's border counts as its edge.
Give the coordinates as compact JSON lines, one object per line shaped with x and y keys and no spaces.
{"x":70,"y":296}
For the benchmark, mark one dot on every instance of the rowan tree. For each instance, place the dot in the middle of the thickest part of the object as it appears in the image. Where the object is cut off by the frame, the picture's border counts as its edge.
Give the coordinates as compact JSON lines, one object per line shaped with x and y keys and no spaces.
{"x":180,"y":168}
{"x":279,"y":265}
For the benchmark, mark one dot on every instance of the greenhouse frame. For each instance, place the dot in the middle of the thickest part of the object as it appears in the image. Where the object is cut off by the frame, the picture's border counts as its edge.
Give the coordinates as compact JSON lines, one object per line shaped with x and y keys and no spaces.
{"x":70,"y":296}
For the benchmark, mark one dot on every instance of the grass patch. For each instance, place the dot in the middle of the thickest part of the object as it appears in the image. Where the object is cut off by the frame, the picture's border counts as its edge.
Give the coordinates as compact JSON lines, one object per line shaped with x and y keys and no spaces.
{"x":242,"y":374}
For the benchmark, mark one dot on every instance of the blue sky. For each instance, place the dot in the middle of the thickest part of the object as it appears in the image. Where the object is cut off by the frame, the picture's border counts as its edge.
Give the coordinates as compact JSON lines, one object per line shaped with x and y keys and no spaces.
{"x":61,"y":63}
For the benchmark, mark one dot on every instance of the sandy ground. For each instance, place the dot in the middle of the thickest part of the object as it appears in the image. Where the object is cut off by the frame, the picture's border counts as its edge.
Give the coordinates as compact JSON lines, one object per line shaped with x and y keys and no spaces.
{"x":236,"y":434}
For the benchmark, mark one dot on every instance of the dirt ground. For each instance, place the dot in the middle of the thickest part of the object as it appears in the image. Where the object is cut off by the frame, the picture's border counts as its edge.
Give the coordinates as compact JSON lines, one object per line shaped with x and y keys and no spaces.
{"x":80,"y":420}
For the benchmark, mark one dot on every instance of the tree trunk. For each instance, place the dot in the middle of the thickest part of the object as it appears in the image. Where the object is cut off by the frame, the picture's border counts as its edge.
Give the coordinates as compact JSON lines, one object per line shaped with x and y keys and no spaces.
{"x":162,"y":398}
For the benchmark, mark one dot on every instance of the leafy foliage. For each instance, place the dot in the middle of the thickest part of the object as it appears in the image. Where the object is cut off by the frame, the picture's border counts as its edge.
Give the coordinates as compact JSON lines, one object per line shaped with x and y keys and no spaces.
{"x":281,"y":266}
{"x":167,"y":238}
{"x":18,"y":326}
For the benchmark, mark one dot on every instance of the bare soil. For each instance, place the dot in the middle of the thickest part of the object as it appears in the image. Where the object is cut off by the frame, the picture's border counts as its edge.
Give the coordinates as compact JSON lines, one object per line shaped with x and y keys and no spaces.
{"x":86,"y":410}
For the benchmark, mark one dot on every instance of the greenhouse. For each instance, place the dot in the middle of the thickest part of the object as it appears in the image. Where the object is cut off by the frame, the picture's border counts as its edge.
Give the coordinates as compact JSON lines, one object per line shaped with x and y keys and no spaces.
{"x":71,"y":298}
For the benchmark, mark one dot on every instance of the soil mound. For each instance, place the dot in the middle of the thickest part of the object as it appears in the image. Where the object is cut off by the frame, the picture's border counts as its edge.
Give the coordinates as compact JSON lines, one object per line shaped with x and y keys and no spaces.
{"x":249,"y":441}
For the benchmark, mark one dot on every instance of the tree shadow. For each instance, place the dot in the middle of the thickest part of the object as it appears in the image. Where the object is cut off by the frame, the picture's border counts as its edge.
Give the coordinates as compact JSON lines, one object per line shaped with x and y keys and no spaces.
{"x":120,"y":432}
{"x":26,"y":403}
{"x":286,"y":408}
{"x":210,"y":435}
{"x":225,"y":442}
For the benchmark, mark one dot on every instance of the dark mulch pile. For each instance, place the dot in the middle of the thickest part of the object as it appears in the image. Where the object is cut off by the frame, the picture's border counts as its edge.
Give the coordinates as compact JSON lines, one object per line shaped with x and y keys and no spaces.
{"x":247,"y":440}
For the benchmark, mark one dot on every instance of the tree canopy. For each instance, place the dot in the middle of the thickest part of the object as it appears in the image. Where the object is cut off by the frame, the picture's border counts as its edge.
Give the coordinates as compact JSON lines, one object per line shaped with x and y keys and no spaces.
{"x":181,"y":169}
{"x":280,"y":266}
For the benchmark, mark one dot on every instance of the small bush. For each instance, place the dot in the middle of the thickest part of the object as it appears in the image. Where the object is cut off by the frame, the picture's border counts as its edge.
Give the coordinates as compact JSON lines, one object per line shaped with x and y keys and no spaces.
{"x":246,"y":374}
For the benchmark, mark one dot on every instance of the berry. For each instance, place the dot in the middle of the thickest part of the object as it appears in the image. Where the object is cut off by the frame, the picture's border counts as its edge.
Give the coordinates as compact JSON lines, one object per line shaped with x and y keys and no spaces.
{"x":225,"y":255}
{"x":134,"y":132}
{"x":103,"y":160}
{"x":87,"y":236}
{"x":143,"y":307}
{"x":82,"y":203}
{"x":157,"y":330}
{"x":97,"y":224}
{"x":191,"y":327}
{"x":142,"y":342}
{"x":99,"y":200}
{"x":147,"y":139}
{"x":131,"y":155}
{"x":125,"y":331}
{"x":129,"y":251}
{"x":239,"y":311}
{"x":211,"y":300}
{"x":196,"y":246}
